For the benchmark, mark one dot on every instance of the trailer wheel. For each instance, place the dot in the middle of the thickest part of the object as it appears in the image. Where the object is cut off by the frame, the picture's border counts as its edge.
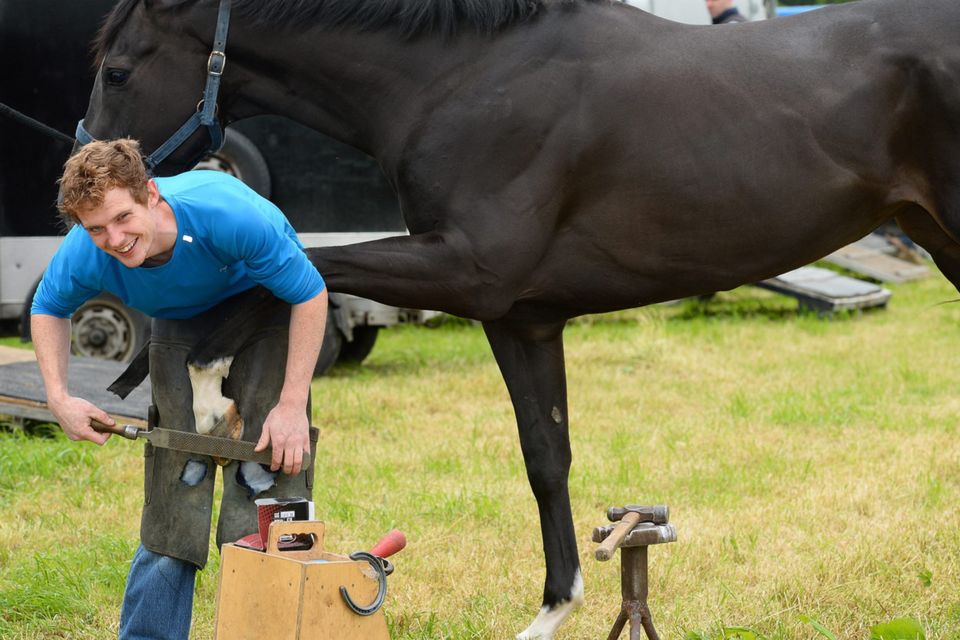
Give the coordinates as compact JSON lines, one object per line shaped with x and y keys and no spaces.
{"x":330,"y":351}
{"x":25,"y":335}
{"x":106,"y":328}
{"x":242,"y":159}
{"x":363,"y":340}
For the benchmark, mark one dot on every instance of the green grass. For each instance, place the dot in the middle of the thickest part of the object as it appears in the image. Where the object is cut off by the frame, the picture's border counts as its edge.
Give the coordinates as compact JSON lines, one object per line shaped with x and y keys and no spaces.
{"x":14,"y":341}
{"x":812,"y":467}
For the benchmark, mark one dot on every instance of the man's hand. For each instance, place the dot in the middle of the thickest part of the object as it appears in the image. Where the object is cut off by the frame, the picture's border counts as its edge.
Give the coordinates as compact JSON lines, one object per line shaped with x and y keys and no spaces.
{"x":288,"y":431}
{"x":74,"y":415}
{"x":51,"y":341}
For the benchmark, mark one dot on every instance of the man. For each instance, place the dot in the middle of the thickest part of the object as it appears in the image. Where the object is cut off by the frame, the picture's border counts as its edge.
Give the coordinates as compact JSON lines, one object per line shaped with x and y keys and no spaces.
{"x":192,"y":251}
{"x":724,"y":12}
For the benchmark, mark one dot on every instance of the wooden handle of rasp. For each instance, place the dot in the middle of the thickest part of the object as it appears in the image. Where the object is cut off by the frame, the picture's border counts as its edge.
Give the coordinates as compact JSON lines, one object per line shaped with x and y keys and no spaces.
{"x":124,"y":431}
{"x":609,"y":546}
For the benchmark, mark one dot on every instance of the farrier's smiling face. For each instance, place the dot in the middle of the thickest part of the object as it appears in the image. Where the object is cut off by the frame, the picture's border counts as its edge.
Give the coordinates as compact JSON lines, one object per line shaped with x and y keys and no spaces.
{"x":122,"y":227}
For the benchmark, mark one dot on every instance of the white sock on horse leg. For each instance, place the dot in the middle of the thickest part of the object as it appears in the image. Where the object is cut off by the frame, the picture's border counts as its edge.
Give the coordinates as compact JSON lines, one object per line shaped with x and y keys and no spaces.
{"x":550,"y":618}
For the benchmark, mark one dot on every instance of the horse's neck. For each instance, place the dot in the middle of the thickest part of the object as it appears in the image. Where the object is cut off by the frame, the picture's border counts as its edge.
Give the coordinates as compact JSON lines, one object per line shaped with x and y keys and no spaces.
{"x":355,"y":87}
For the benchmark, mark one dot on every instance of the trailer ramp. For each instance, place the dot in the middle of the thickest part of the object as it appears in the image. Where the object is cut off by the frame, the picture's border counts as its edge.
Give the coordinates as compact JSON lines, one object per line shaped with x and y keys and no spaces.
{"x":826,"y":291}
{"x":22,"y":394}
{"x":875,"y":257}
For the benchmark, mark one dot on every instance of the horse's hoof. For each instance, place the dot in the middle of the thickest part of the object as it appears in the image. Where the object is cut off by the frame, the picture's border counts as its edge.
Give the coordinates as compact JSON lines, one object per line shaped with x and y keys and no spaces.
{"x":550,"y":618}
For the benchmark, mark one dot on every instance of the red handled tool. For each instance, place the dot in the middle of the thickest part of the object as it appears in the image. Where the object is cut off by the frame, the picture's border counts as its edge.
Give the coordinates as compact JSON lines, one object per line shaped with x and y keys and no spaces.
{"x":388,"y":545}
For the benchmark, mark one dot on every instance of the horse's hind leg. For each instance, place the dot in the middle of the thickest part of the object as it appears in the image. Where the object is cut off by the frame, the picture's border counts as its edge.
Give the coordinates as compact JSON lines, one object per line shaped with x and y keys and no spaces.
{"x":531,"y":360}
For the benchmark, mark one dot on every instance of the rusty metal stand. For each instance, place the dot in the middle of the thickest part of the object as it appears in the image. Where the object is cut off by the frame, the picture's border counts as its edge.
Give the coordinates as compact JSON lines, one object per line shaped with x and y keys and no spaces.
{"x":634,"y":575}
{"x":634,"y":588}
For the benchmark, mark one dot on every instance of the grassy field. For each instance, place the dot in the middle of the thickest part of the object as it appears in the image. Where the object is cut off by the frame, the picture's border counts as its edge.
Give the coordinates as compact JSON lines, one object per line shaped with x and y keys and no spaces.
{"x":12,"y":340}
{"x":812,"y":467}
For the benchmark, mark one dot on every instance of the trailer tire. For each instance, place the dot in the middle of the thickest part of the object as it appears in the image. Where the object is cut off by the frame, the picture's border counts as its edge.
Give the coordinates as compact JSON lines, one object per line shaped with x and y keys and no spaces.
{"x":240,"y":158}
{"x":357,"y":350}
{"x":114,"y":318}
{"x":104,"y":327}
{"x":25,"y":334}
{"x":330,"y":350}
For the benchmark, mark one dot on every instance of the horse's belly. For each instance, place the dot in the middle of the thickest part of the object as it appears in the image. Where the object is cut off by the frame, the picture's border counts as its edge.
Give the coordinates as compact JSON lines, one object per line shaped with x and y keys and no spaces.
{"x":638,"y":266}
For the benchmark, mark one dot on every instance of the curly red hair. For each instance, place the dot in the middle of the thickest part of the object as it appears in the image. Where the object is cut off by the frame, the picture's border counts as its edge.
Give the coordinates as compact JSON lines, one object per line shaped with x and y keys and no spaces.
{"x":95,"y":169}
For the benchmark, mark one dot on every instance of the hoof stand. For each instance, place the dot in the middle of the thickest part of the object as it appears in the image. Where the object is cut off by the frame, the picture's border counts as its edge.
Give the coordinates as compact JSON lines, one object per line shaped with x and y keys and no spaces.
{"x":637,"y":527}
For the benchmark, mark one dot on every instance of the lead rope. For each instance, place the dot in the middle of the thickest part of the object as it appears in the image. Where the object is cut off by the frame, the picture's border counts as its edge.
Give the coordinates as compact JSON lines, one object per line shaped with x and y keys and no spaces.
{"x":47,"y":130}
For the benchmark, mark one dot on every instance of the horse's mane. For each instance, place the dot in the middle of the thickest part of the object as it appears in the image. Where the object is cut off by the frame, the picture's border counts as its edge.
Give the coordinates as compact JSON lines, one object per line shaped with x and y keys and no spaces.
{"x":411,"y":18}
{"x":110,"y":28}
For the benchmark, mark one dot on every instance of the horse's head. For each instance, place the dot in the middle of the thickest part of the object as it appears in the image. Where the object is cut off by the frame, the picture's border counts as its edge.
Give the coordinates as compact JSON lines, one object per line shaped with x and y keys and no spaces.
{"x":153,"y":58}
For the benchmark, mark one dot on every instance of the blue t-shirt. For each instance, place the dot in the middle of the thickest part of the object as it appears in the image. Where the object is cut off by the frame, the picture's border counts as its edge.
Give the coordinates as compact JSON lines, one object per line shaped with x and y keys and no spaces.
{"x":229,"y":239}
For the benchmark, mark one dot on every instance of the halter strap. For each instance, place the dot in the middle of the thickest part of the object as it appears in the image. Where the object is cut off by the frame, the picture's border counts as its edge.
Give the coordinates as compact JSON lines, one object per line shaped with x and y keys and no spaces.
{"x":206,"y":113}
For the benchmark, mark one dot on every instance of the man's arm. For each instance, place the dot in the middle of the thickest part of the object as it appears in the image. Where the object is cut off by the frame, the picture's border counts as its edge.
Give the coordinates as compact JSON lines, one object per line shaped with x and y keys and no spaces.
{"x":51,"y":341}
{"x":287,"y":426}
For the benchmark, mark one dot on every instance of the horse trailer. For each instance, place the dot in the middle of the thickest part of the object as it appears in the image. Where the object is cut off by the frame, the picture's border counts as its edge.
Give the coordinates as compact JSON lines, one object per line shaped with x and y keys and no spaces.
{"x":331,"y":193}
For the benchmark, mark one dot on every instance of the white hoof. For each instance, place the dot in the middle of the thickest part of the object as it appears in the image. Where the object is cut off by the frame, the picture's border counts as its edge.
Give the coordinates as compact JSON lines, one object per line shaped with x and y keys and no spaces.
{"x":549,"y":620}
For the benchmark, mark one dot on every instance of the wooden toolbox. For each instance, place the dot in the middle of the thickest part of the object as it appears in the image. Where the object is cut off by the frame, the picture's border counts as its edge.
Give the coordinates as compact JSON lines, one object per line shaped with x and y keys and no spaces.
{"x":295,"y":595}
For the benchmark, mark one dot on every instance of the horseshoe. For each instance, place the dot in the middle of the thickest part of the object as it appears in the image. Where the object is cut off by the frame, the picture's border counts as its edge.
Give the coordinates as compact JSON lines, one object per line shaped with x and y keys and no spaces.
{"x":381,"y":582}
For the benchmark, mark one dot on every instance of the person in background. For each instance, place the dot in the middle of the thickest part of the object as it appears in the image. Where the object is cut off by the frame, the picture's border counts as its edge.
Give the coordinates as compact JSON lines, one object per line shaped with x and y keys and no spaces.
{"x":724,"y":12}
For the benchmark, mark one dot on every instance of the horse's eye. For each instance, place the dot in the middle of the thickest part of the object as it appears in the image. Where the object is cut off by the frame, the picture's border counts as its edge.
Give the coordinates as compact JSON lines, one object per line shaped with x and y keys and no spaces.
{"x":116,"y":77}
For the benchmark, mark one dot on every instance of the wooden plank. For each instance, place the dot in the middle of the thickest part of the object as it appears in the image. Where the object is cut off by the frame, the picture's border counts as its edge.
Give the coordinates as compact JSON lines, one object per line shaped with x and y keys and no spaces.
{"x":325,"y":616}
{"x":23,"y":393}
{"x":19,"y":409}
{"x":823,"y":290}
{"x":39,"y":411}
{"x":864,"y":258}
{"x":260,"y":595}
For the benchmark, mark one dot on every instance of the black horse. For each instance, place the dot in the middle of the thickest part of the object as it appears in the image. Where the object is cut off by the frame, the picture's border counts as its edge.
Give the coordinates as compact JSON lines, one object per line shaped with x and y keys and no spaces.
{"x":561,"y":157}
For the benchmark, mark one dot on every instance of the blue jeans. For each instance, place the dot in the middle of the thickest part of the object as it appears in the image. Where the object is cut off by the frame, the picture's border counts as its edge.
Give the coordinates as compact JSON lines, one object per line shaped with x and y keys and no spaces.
{"x":158,"y":600}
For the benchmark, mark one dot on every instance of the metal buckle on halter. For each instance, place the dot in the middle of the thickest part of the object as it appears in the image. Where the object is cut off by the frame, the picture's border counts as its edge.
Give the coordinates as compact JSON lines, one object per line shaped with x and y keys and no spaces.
{"x":216,"y":63}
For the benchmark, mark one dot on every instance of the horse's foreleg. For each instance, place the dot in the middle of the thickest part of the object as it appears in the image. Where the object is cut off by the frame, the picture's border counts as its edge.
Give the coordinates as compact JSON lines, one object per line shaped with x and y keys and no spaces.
{"x":531,"y":360}
{"x":436,"y":270}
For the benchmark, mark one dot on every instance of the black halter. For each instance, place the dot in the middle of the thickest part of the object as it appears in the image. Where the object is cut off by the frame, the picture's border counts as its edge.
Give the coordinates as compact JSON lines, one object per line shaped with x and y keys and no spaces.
{"x":205,"y":115}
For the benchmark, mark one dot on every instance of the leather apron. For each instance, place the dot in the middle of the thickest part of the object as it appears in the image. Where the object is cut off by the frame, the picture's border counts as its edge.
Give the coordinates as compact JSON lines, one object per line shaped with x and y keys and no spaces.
{"x":177,"y":514}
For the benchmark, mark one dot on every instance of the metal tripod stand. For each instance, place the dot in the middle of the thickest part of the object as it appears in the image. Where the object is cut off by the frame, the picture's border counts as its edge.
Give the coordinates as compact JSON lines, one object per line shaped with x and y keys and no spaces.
{"x":637,"y":528}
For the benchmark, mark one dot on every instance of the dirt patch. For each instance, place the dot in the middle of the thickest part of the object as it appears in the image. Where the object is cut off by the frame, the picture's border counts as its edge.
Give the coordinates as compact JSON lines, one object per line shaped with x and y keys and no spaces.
{"x":12,"y":354}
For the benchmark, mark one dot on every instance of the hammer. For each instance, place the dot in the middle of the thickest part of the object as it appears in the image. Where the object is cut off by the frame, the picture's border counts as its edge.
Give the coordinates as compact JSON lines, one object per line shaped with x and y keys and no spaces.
{"x":657,"y":514}
{"x":627,"y":518}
